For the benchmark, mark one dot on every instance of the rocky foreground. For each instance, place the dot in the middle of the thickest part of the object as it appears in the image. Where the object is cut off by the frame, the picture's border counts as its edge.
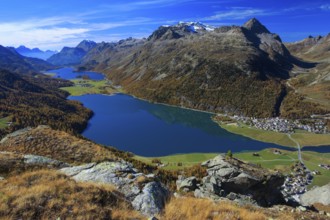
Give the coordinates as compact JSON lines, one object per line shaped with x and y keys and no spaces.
{"x":35,"y":182}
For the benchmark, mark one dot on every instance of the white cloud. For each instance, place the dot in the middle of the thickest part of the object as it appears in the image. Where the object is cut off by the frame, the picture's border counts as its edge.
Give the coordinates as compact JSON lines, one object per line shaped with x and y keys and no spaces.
{"x":55,"y":32}
{"x":325,"y":7}
{"x":142,"y":4}
{"x":236,"y":13}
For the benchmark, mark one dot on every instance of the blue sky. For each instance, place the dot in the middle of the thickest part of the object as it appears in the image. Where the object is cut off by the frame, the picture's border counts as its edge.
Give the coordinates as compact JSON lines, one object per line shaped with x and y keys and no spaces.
{"x":54,"y":24}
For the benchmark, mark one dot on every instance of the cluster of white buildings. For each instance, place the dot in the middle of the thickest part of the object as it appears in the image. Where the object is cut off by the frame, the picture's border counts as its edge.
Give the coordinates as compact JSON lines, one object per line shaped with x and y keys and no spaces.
{"x":296,"y":184}
{"x":284,"y":125}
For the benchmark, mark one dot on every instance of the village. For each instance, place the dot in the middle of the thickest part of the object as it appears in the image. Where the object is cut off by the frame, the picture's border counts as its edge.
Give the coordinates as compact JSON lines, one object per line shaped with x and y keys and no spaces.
{"x":296,"y":183}
{"x":277,"y":124}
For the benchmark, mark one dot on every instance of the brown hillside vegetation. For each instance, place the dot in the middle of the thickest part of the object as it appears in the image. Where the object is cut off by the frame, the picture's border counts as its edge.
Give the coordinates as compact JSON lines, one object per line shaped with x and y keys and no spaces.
{"x":197,"y":209}
{"x":58,"y":145}
{"x":47,"y":194}
{"x":312,"y":82}
{"x":50,"y":195}
{"x":36,"y":192}
{"x":32,"y":101}
{"x":13,"y":164}
{"x":232,"y":69}
{"x":62,"y":146}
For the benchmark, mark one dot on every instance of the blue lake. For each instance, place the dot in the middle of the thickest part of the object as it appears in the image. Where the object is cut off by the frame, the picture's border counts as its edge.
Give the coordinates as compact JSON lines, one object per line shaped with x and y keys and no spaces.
{"x":148,"y":129}
{"x":68,"y":73}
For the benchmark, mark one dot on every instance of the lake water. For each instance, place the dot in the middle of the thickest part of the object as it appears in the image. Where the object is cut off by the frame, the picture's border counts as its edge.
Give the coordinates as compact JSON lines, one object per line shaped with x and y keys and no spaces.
{"x":68,"y":73}
{"x":148,"y":129}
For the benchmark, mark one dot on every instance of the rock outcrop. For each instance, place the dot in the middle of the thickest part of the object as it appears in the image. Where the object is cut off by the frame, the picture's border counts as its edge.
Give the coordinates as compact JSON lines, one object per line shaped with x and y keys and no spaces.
{"x":39,"y":160}
{"x":316,"y":195}
{"x":146,"y":195}
{"x":186,"y":184}
{"x":237,"y":181}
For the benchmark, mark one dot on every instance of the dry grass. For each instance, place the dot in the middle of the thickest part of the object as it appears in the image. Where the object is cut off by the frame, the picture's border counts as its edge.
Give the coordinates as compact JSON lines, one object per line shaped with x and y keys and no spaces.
{"x":50,"y":195}
{"x":13,"y":164}
{"x":57,"y":145}
{"x":192,"y":208}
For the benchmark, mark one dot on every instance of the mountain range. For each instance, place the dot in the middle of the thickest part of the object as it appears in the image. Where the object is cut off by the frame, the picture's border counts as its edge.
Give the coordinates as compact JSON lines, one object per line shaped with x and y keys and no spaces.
{"x":13,"y":61}
{"x":35,"y":52}
{"x":237,"y":69}
{"x":30,"y":98}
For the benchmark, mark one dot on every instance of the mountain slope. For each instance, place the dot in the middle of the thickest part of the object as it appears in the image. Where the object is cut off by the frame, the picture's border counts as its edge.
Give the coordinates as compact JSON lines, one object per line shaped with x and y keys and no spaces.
{"x":313,"y":81}
{"x":71,"y":56}
{"x":30,"y":101}
{"x":12,"y":61}
{"x":233,"y":69}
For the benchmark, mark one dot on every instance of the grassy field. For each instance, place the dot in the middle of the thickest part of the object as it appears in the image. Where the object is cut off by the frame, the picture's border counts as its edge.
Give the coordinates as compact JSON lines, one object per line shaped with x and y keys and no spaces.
{"x":50,"y":74}
{"x":303,"y":138}
{"x":4,"y":121}
{"x":266,"y":159}
{"x":83,"y":87}
{"x":187,"y":160}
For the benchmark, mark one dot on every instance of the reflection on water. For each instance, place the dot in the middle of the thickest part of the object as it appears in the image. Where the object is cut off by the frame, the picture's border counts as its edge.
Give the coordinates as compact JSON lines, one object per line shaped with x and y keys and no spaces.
{"x":150,"y":129}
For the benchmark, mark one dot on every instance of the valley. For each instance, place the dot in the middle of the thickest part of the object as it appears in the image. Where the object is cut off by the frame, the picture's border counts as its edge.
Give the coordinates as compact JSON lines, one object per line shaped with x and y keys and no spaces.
{"x":227,"y":116}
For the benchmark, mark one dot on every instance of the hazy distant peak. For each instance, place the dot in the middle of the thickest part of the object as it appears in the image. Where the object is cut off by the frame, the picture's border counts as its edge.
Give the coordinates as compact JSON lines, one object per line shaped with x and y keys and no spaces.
{"x":255,"y":26}
{"x":86,"y":45}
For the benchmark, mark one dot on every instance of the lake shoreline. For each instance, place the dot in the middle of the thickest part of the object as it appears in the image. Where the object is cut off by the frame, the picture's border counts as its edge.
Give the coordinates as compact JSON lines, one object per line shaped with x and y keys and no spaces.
{"x":210,"y":114}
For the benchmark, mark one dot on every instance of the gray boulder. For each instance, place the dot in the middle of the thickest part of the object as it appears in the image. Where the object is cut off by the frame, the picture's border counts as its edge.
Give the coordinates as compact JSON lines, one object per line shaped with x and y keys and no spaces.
{"x":223,"y":172}
{"x":39,"y":160}
{"x":218,"y":161}
{"x":212,"y":184}
{"x":186,"y":184}
{"x":239,"y":181}
{"x":316,"y":195}
{"x":72,"y":171}
{"x":152,"y":199}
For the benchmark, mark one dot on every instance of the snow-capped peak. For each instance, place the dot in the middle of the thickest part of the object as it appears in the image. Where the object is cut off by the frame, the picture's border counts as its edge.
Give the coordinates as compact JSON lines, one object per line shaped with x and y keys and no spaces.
{"x":196,"y":26}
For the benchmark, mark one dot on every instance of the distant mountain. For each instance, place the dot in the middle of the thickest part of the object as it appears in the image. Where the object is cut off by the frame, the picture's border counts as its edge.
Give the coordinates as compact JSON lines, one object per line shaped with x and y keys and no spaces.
{"x":14,"y":62}
{"x":231,"y":68}
{"x":86,"y":45}
{"x":72,"y":56}
{"x":312,"y":48}
{"x":35,"y":52}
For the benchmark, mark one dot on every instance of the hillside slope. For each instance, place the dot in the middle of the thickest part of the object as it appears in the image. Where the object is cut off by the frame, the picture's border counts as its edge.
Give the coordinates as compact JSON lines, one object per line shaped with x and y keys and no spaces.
{"x":232,"y":69}
{"x":313,"y":81}
{"x":34,"y":184}
{"x":30,"y":101}
{"x":12,"y":61}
